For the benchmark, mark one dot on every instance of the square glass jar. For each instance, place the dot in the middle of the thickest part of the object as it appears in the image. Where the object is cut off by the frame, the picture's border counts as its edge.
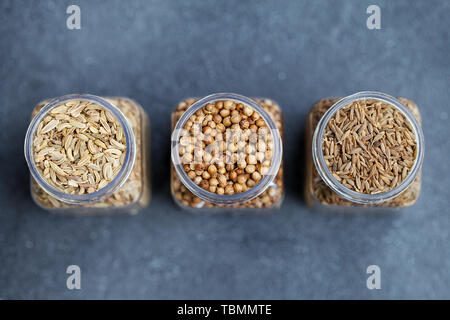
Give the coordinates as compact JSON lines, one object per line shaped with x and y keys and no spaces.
{"x":324,"y":192}
{"x":265,"y":195}
{"x":128,"y":192}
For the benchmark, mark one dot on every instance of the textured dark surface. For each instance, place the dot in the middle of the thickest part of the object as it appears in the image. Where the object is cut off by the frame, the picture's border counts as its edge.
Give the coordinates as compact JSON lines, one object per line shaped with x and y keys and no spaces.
{"x":159,"y":52}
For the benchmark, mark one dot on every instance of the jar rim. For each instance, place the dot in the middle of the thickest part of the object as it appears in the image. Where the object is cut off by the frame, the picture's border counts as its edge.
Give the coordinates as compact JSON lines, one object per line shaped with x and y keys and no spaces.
{"x":338,"y":187}
{"x":114,"y":184}
{"x":235,"y":198}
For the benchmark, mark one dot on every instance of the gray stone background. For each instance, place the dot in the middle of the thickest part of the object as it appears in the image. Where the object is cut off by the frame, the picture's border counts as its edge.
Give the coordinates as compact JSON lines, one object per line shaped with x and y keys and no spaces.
{"x":159,"y":52}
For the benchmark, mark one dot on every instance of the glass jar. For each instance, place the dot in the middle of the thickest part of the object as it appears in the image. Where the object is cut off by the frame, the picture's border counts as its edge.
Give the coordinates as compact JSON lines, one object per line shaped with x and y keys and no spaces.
{"x":266,"y":194}
{"x":322,"y":188}
{"x":127,"y":192}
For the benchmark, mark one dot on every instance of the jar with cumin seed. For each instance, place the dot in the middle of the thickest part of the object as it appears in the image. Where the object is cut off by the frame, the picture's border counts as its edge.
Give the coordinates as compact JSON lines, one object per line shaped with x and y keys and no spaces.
{"x":364,"y":153}
{"x":88,"y":154}
{"x":227,"y":154}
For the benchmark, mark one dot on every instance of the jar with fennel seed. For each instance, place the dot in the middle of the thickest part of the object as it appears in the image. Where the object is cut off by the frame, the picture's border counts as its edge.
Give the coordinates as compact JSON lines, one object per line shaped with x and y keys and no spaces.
{"x":227,"y":154}
{"x":88,"y":155}
{"x":364,"y":153}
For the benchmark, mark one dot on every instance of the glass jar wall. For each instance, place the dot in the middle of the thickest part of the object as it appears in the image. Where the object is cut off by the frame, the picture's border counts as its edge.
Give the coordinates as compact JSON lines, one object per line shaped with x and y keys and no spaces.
{"x":236,"y":174}
{"x":88,"y":154}
{"x":384,"y":134}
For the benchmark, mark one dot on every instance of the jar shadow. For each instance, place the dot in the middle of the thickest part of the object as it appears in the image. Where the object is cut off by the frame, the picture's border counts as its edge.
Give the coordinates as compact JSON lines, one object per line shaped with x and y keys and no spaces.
{"x":160,"y":160}
{"x":295,"y":159}
{"x":17,"y":176}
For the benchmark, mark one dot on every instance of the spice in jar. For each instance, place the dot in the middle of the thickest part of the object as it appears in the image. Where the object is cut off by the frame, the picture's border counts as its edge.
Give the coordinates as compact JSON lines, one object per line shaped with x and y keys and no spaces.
{"x":86,"y":154}
{"x":74,"y":137}
{"x":364,"y":150}
{"x":228,"y":152}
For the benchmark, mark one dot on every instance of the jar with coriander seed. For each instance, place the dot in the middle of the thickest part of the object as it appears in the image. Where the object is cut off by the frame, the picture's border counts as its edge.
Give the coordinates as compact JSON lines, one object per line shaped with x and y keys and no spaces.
{"x":88,"y":154}
{"x":364,"y":153}
{"x":227,"y":154}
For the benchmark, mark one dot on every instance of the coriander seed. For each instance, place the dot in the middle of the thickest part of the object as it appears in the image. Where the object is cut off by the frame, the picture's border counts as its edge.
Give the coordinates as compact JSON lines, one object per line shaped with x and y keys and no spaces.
{"x":234,"y":135}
